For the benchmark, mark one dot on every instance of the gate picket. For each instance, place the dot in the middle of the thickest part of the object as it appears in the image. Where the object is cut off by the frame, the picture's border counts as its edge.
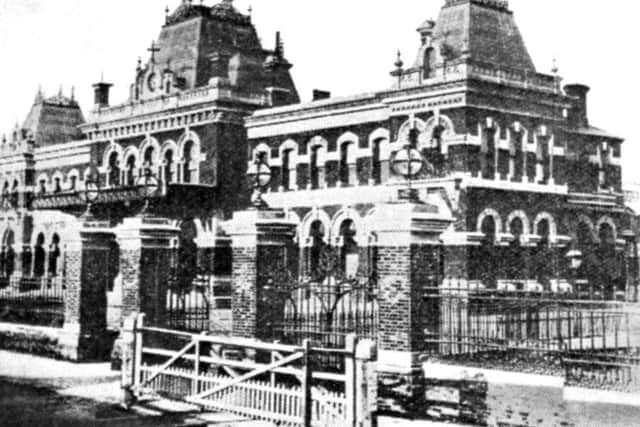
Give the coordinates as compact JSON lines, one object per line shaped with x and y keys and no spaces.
{"x":247,"y":395}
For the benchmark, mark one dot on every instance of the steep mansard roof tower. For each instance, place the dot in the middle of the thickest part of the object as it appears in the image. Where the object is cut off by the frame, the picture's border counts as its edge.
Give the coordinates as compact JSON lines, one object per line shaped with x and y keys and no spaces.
{"x":201,"y":45}
{"x":474,"y":31}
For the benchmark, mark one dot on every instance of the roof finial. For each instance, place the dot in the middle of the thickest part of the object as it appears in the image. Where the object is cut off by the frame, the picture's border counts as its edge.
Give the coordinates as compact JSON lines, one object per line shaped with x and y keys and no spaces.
{"x":153,"y":49}
{"x":554,"y":66}
{"x":279,"y":49}
{"x":399,"y":64}
{"x":166,"y":14}
{"x":139,"y":66}
{"x":60,"y":92}
{"x":73,"y":93}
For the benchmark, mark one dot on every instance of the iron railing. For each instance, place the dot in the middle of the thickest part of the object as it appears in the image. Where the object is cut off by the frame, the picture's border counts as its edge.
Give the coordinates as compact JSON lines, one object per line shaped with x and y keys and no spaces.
{"x":324,"y":311}
{"x":463,"y":321}
{"x":604,"y":371}
{"x":189,"y":309}
{"x":33,"y":301}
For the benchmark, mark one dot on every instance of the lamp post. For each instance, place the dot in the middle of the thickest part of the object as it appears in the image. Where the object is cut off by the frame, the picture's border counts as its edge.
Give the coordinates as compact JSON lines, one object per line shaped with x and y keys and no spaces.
{"x":575,"y":262}
{"x":259,"y":175}
{"x":150,"y":185}
{"x":89,"y":195}
{"x":408,"y":163}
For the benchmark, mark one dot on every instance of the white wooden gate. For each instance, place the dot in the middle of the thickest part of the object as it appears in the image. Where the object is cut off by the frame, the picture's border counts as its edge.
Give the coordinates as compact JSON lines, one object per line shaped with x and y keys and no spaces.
{"x":263,"y":381}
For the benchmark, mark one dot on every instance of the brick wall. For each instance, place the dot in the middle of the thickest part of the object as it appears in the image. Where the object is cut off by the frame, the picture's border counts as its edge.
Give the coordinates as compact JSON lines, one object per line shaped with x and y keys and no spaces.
{"x":244,"y":302}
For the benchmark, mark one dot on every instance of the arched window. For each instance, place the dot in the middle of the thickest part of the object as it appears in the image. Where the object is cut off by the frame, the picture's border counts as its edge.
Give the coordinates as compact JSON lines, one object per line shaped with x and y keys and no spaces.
{"x":131,"y":170}
{"x":168,"y":167}
{"x":42,"y":188}
{"x":286,"y":170}
{"x":344,"y":164}
{"x":349,"y":253}
{"x":543,"y":159}
{"x":54,"y":255}
{"x":376,"y":162}
{"x":486,"y":263}
{"x":57,"y":186}
{"x":545,"y":262}
{"x":428,"y":62}
{"x":515,"y":268}
{"x":488,"y":153}
{"x":314,"y":166}
{"x":8,"y":253}
{"x":516,"y":155}
{"x":114,"y":170}
{"x":317,"y":246}
{"x":611,"y":278}
{"x":148,"y":157}
{"x":190,"y":166}
{"x":73,"y":182}
{"x":39,"y":257}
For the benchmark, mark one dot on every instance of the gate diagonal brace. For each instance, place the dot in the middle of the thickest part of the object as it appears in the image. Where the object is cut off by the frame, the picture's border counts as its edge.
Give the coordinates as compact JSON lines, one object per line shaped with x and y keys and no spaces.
{"x":231,"y":372}
{"x":199,"y":398}
{"x":170,"y":362}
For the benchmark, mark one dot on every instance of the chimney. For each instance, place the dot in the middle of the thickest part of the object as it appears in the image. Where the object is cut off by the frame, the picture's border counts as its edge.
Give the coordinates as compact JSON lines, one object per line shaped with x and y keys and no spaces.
{"x":578,"y":114}
{"x":101,"y":94}
{"x":321,"y":94}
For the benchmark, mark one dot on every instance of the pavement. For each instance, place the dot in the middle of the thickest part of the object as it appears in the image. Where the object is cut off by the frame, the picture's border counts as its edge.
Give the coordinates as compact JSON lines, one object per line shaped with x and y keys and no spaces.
{"x":41,"y":392}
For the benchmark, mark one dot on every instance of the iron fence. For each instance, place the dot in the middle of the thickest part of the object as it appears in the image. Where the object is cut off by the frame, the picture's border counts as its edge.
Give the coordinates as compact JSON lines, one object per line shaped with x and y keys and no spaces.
{"x":464,"y":321}
{"x":603,"y":372}
{"x":32,"y":301}
{"x":188,"y":309}
{"x":323,"y":310}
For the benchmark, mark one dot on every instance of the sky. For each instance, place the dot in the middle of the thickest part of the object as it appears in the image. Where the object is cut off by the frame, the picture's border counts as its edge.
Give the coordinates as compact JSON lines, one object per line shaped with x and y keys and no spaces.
{"x":344,"y":46}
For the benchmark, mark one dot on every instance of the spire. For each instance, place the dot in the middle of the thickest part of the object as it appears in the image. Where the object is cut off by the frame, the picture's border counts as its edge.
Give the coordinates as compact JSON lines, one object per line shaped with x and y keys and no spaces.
{"x":39,"y":95}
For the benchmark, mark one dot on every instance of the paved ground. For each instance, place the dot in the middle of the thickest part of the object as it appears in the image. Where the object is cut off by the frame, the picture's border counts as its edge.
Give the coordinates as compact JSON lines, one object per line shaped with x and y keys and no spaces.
{"x":41,"y":392}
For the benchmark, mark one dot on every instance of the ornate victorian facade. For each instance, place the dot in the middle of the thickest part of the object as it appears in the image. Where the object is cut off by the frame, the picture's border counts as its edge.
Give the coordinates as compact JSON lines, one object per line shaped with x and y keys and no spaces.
{"x":182,"y":127}
{"x":507,"y":150}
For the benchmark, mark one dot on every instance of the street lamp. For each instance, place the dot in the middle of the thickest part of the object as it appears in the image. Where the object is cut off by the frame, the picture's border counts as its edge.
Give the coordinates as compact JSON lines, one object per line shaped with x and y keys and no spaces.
{"x":575,"y":262}
{"x":150,"y":185}
{"x":259,"y":175}
{"x":408,"y":163}
{"x":89,"y":195}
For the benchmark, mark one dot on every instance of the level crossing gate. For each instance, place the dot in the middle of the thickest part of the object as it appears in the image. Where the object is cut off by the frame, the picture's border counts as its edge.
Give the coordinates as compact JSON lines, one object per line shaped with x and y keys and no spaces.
{"x":273,"y":382}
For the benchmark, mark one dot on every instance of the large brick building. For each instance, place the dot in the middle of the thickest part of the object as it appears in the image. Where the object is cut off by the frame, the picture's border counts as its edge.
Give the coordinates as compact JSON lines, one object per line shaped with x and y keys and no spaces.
{"x":514,"y":182}
{"x":508,"y":151}
{"x":182,"y":124}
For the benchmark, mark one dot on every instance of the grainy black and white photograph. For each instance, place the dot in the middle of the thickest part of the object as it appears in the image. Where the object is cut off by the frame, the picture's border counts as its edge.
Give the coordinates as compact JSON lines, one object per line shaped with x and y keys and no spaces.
{"x":219,"y":213}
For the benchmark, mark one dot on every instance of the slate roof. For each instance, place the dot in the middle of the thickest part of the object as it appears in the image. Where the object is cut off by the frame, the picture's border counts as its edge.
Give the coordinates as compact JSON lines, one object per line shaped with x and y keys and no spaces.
{"x":483,"y":30}
{"x":54,"y":120}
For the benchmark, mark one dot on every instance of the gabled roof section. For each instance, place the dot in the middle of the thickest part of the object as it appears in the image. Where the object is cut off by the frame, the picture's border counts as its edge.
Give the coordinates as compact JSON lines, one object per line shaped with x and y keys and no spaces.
{"x":484,"y":31}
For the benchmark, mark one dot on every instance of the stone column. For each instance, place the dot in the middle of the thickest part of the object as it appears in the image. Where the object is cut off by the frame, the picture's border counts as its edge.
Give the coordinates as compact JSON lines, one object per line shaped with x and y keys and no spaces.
{"x":263,"y":251}
{"x":84,"y":334}
{"x":147,"y":260}
{"x":408,"y":258}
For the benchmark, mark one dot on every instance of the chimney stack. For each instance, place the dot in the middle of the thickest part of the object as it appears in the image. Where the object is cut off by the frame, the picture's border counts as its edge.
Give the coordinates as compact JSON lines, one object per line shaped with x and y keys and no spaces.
{"x":578,"y":114}
{"x":101,"y":94}
{"x":321,"y":94}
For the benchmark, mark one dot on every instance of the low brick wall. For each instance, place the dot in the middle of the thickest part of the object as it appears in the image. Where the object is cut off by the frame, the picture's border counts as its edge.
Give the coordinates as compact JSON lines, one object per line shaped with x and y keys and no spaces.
{"x":485,"y":397}
{"x":56,"y":343}
{"x":41,"y":341}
